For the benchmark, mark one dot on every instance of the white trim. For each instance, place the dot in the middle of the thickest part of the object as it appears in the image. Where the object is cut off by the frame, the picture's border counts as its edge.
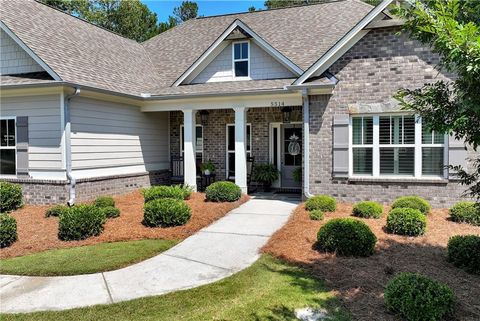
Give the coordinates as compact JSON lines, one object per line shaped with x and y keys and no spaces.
{"x":37,"y":59}
{"x":62,"y":129}
{"x":345,"y":43}
{"x":234,"y":77}
{"x":11,"y":147}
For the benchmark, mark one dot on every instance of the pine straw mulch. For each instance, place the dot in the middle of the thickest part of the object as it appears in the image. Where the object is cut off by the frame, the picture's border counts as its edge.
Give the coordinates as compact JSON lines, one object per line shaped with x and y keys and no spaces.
{"x":37,"y":233}
{"x":359,"y":282}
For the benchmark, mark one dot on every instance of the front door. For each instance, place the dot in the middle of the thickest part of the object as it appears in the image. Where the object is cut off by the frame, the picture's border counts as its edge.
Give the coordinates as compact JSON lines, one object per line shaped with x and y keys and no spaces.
{"x":291,"y":154}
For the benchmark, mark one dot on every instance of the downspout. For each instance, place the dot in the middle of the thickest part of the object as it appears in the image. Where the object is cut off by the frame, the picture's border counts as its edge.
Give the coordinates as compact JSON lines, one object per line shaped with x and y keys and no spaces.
{"x":306,"y":142}
{"x":68,"y":147}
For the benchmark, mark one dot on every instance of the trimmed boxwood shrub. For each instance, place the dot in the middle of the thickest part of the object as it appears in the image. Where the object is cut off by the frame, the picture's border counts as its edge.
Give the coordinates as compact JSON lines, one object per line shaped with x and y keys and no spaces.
{"x":316,"y":215}
{"x":104,"y":201}
{"x":418,"y":298}
{"x":368,"y":209}
{"x":110,"y":211}
{"x":166,"y":212}
{"x":223,"y":192}
{"x":186,"y":190}
{"x":81,"y":222}
{"x":406,"y":221}
{"x":8,"y":230}
{"x":56,"y":210}
{"x":347,"y":236}
{"x":158,"y":192}
{"x":467,"y":212}
{"x":10,"y":196}
{"x":414,"y":202}
{"x":464,"y":252}
{"x":323,"y":203}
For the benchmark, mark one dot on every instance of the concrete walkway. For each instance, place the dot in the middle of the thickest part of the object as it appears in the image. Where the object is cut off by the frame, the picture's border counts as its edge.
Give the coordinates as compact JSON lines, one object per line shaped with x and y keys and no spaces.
{"x":215,"y":252}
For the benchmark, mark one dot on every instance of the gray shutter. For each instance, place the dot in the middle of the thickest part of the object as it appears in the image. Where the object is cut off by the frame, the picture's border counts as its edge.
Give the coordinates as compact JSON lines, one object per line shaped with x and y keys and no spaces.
{"x":340,"y":145}
{"x":457,"y":153}
{"x":22,"y":146}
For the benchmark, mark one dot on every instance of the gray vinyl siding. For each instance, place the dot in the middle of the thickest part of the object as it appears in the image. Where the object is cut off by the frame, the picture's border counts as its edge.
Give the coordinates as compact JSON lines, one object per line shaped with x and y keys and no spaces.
{"x":110,"y":135}
{"x":44,"y":124}
{"x":13,"y":59}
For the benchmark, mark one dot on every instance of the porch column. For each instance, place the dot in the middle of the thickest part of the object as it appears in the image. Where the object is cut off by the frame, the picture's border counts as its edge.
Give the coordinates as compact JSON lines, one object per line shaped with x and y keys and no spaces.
{"x":189,"y":163}
{"x":241,"y":148}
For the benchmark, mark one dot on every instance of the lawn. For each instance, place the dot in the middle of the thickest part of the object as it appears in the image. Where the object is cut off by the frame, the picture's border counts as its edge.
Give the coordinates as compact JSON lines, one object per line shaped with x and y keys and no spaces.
{"x":84,"y":259}
{"x":268,"y":290}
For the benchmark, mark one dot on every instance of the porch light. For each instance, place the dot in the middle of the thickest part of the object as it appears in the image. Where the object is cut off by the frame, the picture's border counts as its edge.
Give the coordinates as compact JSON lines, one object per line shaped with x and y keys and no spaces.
{"x":204,"y":116}
{"x":287,"y":113}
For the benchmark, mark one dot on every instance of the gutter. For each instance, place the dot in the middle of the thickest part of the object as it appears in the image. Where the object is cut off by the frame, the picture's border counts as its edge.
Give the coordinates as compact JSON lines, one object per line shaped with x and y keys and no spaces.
{"x":306,"y":144}
{"x":68,"y":146}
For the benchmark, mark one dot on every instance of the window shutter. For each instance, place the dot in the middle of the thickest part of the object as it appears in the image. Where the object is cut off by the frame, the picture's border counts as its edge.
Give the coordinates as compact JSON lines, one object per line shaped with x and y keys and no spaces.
{"x":340,"y":145}
{"x":457,"y":153}
{"x":22,"y":146}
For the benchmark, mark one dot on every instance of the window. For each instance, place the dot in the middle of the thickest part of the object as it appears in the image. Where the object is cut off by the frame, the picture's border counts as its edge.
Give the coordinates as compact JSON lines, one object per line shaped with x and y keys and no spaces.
{"x":198,"y":144}
{"x":395,"y":145}
{"x":241,"y":59}
{"x":8,"y":158}
{"x":230,"y":170}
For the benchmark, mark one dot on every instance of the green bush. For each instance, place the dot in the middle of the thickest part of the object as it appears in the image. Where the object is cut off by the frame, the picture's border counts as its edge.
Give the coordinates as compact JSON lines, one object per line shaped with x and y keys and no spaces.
{"x":110,"y":211}
{"x":186,"y":190}
{"x":223,"y":192}
{"x":347,"y":236}
{"x":81,"y":222}
{"x":8,"y":230}
{"x":467,"y":212}
{"x":418,"y":298}
{"x":414,"y":202}
{"x":316,"y":215}
{"x":10,"y":196}
{"x":406,"y":221}
{"x":368,"y":209}
{"x":323,"y":203}
{"x":464,"y":252}
{"x":158,"y":192}
{"x":166,"y":212}
{"x":56,"y":210}
{"x":104,"y":201}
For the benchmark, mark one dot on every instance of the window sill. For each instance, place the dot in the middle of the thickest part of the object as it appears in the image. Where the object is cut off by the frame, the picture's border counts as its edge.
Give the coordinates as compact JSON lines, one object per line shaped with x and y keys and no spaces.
{"x":432,"y":180}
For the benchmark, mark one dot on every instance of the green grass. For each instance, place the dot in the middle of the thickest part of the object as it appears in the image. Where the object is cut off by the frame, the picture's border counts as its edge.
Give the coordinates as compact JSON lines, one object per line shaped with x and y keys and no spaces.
{"x":84,"y":259}
{"x":268,"y":290}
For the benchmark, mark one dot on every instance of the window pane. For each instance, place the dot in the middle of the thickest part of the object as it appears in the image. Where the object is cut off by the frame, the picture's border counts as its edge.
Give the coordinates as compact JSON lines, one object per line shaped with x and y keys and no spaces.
{"x":438,"y":138}
{"x":357,"y":130}
{"x":241,"y":69}
{"x":7,"y":162}
{"x":426,"y":135}
{"x":397,"y":161}
{"x":432,"y":161}
{"x":231,"y":138}
{"x":199,"y":138}
{"x":236,"y":51}
{"x":249,"y":148}
{"x":384,"y":123}
{"x":368,"y":130}
{"x":231,"y":164}
{"x":245,"y":50}
{"x":362,"y":161}
{"x":409,"y":129}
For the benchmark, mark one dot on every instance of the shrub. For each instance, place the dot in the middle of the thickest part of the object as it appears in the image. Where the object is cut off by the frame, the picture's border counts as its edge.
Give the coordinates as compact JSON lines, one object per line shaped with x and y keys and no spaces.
{"x":464,"y":252}
{"x":166,"y":212}
{"x":104,"y":201}
{"x":8,"y":230}
{"x":418,"y":298}
{"x":110,"y":211}
{"x":157,"y":192}
{"x":406,"y":221}
{"x":10,"y":196}
{"x":467,"y":212}
{"x":223,"y":192}
{"x":347,"y":236}
{"x":323,"y":203}
{"x":316,"y":215}
{"x":368,"y":209}
{"x":186,"y":190}
{"x":81,"y":222}
{"x":414,"y":202}
{"x":56,"y":210}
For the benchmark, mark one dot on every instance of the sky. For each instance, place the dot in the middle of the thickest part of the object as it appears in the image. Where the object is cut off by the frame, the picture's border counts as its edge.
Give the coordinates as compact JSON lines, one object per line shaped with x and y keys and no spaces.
{"x":164,"y":8}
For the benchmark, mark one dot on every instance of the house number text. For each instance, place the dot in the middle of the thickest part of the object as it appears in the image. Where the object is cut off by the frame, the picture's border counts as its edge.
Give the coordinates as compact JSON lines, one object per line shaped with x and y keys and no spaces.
{"x":277,"y":104}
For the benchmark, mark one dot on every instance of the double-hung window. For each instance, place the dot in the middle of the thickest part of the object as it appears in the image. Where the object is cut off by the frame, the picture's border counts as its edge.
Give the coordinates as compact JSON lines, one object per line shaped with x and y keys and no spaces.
{"x":198,"y":145}
{"x":8,"y":149}
{"x":230,"y":170}
{"x":241,"y":59}
{"x":395,"y":146}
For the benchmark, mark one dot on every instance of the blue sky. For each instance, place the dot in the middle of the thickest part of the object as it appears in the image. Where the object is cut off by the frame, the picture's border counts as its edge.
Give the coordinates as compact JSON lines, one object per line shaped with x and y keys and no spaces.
{"x":164,"y":8}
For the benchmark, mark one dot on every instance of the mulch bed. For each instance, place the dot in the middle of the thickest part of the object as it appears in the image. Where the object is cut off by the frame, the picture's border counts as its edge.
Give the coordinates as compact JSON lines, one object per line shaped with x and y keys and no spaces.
{"x":37,"y":233}
{"x":359,"y":282}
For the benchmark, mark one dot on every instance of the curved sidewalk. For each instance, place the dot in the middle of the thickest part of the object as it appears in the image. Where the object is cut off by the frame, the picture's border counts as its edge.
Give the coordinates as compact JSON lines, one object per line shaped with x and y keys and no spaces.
{"x":215,"y":252}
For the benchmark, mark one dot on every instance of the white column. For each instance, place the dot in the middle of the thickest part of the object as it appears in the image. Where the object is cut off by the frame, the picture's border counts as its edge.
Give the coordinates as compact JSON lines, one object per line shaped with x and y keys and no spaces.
{"x":189,"y":163}
{"x":241,"y":148}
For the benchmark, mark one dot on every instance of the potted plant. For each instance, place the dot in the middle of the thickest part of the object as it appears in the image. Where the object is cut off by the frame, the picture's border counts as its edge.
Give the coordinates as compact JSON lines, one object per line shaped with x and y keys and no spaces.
{"x":265,"y":174}
{"x":207,"y":168}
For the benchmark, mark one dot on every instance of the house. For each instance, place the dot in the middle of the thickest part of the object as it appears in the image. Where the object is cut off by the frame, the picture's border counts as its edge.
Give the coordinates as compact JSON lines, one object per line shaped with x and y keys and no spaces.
{"x":85,"y":111}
